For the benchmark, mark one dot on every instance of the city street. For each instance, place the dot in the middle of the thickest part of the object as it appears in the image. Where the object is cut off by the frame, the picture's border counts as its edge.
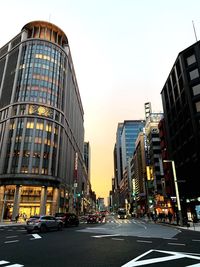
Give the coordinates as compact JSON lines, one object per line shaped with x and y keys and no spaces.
{"x":126,"y":243}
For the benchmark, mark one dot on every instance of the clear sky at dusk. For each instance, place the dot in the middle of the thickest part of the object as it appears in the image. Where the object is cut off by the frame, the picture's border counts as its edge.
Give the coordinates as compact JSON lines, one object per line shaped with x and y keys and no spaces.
{"x":123,"y":51}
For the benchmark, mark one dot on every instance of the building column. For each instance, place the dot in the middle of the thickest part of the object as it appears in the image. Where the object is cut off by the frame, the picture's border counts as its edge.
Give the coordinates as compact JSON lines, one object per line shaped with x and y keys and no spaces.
{"x":56,"y":201}
{"x":2,"y":190}
{"x":43,"y":200}
{"x":16,"y":203}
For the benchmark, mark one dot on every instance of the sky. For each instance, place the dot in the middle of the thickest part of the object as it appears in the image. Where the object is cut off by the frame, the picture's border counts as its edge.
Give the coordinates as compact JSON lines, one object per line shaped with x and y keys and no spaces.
{"x":122,"y":50}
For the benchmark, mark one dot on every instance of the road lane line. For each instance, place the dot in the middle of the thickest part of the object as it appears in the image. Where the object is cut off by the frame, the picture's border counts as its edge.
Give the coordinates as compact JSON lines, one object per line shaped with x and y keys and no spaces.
{"x":176,"y":244}
{"x":195,"y":240}
{"x":100,"y":236}
{"x":144,"y":241}
{"x":170,"y":238}
{"x":11,"y":236}
{"x":13,"y":241}
{"x":15,"y":265}
{"x":120,"y":239}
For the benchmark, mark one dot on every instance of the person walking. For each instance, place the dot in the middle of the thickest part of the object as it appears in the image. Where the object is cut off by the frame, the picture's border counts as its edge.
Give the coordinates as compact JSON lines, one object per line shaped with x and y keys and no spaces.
{"x":17,"y":218}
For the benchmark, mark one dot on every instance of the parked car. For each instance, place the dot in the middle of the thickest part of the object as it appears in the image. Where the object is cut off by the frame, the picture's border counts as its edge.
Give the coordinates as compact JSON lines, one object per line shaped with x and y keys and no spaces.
{"x":92,"y":218}
{"x":68,"y":219}
{"x":43,"y":223}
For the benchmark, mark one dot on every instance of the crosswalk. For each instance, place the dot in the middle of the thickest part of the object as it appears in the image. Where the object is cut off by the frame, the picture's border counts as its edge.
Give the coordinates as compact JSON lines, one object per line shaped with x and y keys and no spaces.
{"x":4,"y":263}
{"x":119,"y":221}
{"x":124,"y":221}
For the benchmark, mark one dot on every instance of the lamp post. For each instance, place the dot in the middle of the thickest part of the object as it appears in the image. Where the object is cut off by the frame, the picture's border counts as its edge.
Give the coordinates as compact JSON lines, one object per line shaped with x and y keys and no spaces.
{"x":176,"y":190}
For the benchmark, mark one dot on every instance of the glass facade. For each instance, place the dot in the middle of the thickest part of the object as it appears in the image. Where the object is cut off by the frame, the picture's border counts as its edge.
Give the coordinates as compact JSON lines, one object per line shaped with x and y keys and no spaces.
{"x":129,"y":135}
{"x":41,"y":114}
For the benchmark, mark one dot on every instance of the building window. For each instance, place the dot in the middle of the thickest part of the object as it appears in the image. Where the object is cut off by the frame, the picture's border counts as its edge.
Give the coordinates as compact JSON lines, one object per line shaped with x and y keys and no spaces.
{"x":194,"y":74}
{"x":197,"y":106}
{"x":191,"y":60}
{"x":196,"y":89}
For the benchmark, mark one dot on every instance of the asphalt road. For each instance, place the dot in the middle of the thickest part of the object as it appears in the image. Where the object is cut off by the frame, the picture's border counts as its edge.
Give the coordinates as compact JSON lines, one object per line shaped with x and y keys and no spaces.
{"x":115,"y":243}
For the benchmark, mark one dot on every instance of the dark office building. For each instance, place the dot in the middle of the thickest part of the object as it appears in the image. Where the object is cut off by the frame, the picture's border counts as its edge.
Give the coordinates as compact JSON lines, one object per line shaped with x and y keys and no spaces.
{"x":181,"y":104}
{"x":41,"y":123}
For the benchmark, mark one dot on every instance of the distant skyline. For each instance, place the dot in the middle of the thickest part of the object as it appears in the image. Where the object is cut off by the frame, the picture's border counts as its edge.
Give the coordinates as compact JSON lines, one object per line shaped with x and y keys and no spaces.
{"x":122,"y":50}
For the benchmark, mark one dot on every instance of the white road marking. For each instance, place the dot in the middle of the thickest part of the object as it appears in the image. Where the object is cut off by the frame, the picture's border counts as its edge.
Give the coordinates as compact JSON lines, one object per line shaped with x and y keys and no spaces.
{"x":99,"y":228}
{"x":173,"y":256}
{"x":176,"y":244}
{"x":3,"y":262}
{"x":139,"y":224}
{"x":15,"y":265}
{"x":170,"y":238}
{"x":144,"y":241}
{"x":195,"y":240}
{"x":144,"y":236}
{"x":100,"y":236}
{"x":12,"y":265}
{"x":12,"y":241}
{"x":120,"y":239}
{"x":36,"y":236}
{"x":194,"y":265}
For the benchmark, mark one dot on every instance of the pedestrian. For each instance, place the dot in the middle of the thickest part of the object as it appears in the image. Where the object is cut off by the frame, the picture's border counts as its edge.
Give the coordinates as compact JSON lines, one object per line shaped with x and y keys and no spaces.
{"x":24,"y":216}
{"x":16,"y":218}
{"x":170,"y":217}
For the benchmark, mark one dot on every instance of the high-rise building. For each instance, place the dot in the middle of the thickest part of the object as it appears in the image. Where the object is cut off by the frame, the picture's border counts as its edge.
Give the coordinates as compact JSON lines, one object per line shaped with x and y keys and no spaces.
{"x":118,"y":155}
{"x":155,"y":175}
{"x":181,"y":105}
{"x":127,"y":133}
{"x":130,"y":131}
{"x":87,"y":158}
{"x":139,"y":180}
{"x":41,"y":122}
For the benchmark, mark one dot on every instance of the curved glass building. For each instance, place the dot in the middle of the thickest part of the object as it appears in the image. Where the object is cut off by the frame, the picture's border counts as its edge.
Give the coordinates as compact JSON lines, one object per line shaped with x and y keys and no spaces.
{"x":41,"y":123}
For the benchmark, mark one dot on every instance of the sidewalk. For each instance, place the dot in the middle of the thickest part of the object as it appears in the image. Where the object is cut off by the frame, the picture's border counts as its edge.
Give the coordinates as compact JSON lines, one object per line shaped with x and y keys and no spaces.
{"x":192,"y":227}
{"x":11,"y":223}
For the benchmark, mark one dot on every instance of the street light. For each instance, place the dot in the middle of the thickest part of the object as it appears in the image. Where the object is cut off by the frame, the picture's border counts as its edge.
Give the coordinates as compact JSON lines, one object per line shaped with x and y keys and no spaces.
{"x":177,"y":191}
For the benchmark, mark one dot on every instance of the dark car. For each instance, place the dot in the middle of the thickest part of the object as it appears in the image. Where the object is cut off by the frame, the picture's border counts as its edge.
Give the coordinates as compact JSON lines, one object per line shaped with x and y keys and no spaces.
{"x":92,"y":218}
{"x":43,"y":223}
{"x":68,"y":219}
{"x":122,"y":214}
